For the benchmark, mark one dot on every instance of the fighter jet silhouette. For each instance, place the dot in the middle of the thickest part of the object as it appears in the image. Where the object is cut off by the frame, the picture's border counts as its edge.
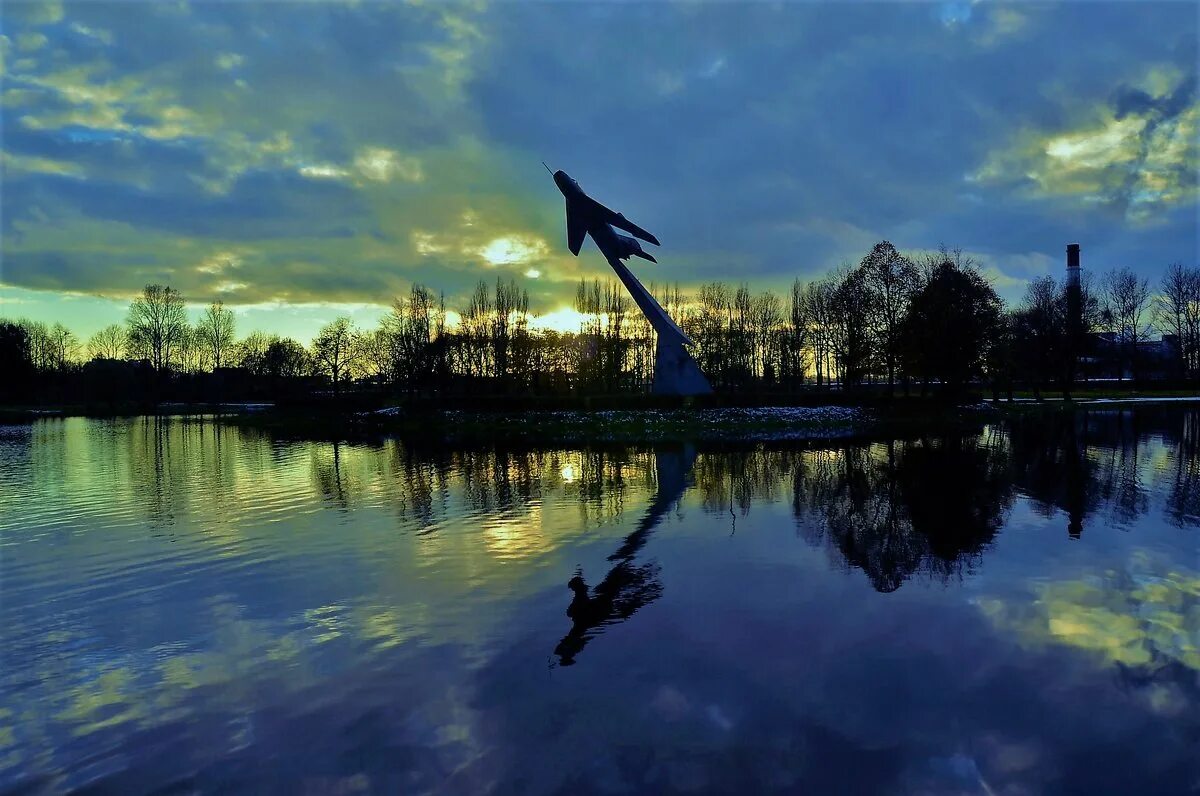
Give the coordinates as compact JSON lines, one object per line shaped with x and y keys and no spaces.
{"x":586,"y":216}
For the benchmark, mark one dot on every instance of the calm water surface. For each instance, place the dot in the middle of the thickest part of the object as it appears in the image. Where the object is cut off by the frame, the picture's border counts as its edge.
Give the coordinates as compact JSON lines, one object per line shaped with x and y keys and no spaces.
{"x":190,"y":607}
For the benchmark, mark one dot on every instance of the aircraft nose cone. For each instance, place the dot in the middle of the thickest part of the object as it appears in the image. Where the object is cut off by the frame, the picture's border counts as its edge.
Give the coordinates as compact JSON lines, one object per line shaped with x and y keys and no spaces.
{"x":561,"y":180}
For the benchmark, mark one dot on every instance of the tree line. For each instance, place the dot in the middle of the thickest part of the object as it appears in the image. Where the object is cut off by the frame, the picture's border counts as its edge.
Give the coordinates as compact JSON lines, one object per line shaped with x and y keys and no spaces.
{"x":899,"y":322}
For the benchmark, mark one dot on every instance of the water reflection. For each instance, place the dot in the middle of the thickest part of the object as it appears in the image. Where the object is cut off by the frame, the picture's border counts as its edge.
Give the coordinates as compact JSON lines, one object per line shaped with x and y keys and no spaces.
{"x":192,"y":605}
{"x":895,"y":508}
{"x":627,"y":586}
{"x":1107,"y":462}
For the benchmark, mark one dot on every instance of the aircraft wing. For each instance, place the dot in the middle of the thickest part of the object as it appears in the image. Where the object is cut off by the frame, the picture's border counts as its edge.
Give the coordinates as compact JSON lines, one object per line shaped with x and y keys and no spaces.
{"x":620,"y":222}
{"x":576,"y":229}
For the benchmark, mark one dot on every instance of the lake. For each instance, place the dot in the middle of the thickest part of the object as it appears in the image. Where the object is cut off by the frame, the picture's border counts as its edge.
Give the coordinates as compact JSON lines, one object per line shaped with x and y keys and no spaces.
{"x":189,"y":606}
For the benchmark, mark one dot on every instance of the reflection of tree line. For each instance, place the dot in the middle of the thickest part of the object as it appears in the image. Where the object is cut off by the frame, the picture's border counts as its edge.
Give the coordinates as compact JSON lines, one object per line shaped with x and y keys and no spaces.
{"x":895,"y":508}
{"x":173,"y":462}
{"x":892,"y":508}
{"x":1085,"y":462}
{"x":922,"y":505}
{"x":929,"y":503}
{"x":1184,"y":505}
{"x":933,"y":503}
{"x":425,"y":485}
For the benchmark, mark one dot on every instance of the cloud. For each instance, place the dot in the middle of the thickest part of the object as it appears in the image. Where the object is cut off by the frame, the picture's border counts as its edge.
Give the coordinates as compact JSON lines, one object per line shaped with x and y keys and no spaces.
{"x":16,"y":165}
{"x":1001,"y":22}
{"x":382,"y":165}
{"x":30,"y":41}
{"x":228,"y":61}
{"x":512,"y":250}
{"x":35,"y":12}
{"x":1135,"y":154}
{"x":343,"y":151}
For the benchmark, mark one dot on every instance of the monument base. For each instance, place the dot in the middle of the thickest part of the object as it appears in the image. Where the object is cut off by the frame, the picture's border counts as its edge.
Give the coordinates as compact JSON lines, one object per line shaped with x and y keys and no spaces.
{"x":675,"y":372}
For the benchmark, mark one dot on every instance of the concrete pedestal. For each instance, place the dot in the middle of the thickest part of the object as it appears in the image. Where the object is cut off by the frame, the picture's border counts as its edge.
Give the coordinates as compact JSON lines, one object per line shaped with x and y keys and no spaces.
{"x":675,"y":372}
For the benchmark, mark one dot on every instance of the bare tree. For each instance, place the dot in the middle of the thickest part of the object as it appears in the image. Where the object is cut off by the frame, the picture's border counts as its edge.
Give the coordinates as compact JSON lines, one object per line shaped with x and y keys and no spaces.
{"x":766,"y":321}
{"x":64,"y":346}
{"x":251,"y":352}
{"x":284,"y":358}
{"x":1044,"y":335}
{"x":411,"y":328}
{"x":475,"y":329}
{"x":817,"y":309}
{"x":108,"y":343}
{"x":157,"y":323}
{"x":215,"y":331}
{"x":641,"y":337}
{"x":739,"y":339}
{"x":1125,"y":299}
{"x":1177,"y":313}
{"x":41,"y":349}
{"x":798,"y":340}
{"x":193,"y":354}
{"x":510,"y":317}
{"x":851,"y":336}
{"x":890,"y":280}
{"x":334,"y":350}
{"x":374,"y":354}
{"x":604,"y":345}
{"x":710,"y":329}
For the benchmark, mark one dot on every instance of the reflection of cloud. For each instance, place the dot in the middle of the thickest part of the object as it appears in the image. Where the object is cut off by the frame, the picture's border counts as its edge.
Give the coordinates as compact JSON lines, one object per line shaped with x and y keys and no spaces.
{"x":1149,"y":612}
{"x":344,"y":603}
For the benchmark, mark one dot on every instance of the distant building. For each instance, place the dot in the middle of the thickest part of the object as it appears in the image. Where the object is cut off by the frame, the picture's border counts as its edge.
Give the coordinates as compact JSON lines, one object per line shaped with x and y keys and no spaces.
{"x":1100,"y":354}
{"x":1106,"y":359}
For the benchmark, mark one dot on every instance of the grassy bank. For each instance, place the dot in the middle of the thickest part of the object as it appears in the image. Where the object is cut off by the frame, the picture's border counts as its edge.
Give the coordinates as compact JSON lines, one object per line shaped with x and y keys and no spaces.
{"x":624,"y":419}
{"x":621,"y":425}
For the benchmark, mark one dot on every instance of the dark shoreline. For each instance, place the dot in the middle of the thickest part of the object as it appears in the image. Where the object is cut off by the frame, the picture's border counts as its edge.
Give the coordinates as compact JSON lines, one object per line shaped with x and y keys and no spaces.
{"x":604,"y":424}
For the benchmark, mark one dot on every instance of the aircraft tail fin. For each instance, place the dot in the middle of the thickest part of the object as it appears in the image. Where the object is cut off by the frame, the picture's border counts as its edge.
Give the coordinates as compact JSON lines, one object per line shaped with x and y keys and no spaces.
{"x":645,"y":256}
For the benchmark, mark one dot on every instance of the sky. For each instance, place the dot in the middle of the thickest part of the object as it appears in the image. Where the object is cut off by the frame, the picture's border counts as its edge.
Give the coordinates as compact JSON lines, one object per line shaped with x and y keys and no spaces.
{"x":300,"y":161}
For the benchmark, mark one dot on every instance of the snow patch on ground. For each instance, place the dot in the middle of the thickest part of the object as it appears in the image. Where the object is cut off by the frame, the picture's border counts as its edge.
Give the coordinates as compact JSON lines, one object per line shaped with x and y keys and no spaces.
{"x":1145,"y":400}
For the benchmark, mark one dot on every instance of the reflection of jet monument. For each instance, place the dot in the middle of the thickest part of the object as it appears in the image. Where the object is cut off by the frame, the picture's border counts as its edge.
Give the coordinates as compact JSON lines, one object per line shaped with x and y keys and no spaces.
{"x":627,"y":586}
{"x":675,"y":372}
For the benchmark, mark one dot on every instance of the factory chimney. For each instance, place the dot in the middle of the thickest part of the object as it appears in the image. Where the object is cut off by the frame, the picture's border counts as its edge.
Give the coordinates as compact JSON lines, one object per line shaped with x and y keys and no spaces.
{"x":1073,"y":266}
{"x":1074,"y":312}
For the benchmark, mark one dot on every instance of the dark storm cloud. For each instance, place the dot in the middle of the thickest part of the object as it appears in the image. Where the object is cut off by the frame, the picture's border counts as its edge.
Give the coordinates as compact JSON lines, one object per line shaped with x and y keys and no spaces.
{"x":259,"y":205}
{"x":343,"y":150}
{"x":765,"y":117}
